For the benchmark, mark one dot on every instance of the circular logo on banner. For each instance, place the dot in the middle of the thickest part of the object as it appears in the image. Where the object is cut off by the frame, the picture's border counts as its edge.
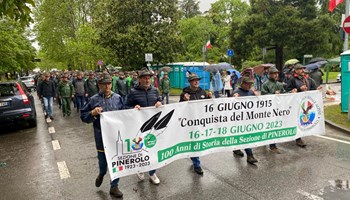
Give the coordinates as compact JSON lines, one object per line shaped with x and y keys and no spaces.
{"x":309,"y":113}
{"x":150,"y":140}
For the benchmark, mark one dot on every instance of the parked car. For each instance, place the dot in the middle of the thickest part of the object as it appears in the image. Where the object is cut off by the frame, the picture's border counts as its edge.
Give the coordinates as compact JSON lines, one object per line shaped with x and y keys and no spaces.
{"x":28,"y":81}
{"x":17,"y":104}
{"x":339,"y":78}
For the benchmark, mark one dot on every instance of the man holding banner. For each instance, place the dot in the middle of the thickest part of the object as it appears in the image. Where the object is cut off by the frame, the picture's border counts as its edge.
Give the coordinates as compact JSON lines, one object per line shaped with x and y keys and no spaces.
{"x":104,"y":101}
{"x":242,"y":91}
{"x":145,"y":95}
{"x":191,"y":93}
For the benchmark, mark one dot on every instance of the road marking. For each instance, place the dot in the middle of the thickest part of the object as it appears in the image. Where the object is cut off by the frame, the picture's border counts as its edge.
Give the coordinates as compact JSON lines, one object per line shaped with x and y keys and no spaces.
{"x":52,"y":130}
{"x":62,"y":168}
{"x":309,"y":196}
{"x":329,"y":138}
{"x":56,"y":145}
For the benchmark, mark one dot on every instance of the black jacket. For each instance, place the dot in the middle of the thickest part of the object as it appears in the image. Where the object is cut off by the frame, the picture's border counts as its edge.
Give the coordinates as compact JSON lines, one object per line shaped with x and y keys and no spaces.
{"x":47,"y":89}
{"x":298,"y":81}
{"x":142,"y":97}
{"x":194,"y":95}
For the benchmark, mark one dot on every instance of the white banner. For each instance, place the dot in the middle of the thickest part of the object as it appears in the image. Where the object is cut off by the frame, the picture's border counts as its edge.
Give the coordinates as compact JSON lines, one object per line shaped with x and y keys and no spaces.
{"x":146,"y":139}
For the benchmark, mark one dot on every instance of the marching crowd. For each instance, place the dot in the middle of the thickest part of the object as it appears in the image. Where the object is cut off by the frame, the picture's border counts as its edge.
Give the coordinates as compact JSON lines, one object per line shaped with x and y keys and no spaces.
{"x":93,"y":94}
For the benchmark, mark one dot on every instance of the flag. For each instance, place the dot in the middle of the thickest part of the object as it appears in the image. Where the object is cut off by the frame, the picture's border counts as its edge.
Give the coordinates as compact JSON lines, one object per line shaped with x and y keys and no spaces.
{"x":333,"y":4}
{"x":208,"y":45}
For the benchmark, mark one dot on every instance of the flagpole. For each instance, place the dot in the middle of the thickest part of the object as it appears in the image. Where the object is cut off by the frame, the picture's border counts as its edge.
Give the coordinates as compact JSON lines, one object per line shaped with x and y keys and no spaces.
{"x":346,"y":38}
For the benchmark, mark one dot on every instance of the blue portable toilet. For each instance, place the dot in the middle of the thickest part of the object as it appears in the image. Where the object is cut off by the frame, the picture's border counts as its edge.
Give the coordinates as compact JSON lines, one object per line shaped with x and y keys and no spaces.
{"x":345,"y":80}
{"x":197,"y":68}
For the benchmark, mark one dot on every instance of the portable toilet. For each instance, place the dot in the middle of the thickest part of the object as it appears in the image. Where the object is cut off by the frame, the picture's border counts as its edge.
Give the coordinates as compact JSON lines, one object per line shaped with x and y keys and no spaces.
{"x":345,"y":80}
{"x":197,"y":68}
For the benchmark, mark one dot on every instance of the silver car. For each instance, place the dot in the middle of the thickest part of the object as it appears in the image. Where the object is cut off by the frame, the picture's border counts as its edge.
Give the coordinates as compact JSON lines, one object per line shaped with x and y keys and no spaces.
{"x":28,"y":81}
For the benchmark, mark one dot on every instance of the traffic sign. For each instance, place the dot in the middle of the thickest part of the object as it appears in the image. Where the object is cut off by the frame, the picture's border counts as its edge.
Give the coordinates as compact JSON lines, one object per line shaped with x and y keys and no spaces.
{"x":100,"y":62}
{"x":230,"y":52}
{"x":346,"y":25}
{"x":148,"y":57}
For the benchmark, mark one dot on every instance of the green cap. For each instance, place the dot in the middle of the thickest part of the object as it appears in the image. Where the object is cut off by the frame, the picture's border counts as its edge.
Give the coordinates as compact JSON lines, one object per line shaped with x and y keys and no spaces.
{"x":105,"y":78}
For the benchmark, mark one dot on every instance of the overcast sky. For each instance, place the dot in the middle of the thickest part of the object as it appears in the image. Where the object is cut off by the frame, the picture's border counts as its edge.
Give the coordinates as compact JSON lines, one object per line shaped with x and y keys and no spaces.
{"x":204,"y":5}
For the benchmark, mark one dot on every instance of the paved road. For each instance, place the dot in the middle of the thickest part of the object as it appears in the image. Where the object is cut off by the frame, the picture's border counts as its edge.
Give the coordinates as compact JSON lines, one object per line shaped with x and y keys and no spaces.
{"x":29,"y":169}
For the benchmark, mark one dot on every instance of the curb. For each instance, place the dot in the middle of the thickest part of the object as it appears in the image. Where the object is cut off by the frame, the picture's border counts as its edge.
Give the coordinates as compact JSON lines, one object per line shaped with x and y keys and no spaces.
{"x":336,"y":126}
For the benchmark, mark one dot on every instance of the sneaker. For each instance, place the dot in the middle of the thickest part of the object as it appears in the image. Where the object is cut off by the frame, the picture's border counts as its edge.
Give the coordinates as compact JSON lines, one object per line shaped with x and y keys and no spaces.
{"x":98,"y":180}
{"x":238,"y":153}
{"x":251,"y":160}
{"x":141,"y":176}
{"x":198,"y":170}
{"x":154,"y":179}
{"x":275,"y":150}
{"x":300,"y":143}
{"x":116,"y":192}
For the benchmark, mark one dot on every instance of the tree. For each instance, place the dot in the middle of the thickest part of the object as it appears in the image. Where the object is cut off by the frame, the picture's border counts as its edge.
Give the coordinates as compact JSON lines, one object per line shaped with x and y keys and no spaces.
{"x":17,"y":10}
{"x":189,"y":8}
{"x":133,"y":28}
{"x":16,"y":52}
{"x":292,"y":26}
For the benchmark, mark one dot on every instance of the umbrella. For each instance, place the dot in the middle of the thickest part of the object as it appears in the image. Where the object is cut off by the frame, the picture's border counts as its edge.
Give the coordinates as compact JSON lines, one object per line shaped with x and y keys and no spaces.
{"x":236,"y":72}
{"x":224,"y":65}
{"x":317,"y":59}
{"x":211,"y":68}
{"x":291,"y":62}
{"x":315,"y":65}
{"x":165,"y":69}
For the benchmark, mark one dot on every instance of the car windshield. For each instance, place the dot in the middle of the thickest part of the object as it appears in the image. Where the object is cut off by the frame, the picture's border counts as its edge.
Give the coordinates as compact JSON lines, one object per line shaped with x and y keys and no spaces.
{"x":7,"y":90}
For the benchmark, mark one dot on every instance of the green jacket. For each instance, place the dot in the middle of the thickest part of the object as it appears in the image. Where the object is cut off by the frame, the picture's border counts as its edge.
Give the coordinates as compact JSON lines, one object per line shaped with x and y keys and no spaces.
{"x":165,"y":85}
{"x":65,"y":89}
{"x":271,"y":86}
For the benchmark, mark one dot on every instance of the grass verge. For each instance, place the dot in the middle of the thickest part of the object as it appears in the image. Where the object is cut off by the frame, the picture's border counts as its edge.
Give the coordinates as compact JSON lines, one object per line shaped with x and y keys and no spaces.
{"x":333,"y":113}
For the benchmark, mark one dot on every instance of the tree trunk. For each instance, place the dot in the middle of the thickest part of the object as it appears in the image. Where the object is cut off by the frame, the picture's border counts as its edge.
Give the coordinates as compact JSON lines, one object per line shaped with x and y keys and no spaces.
{"x":279,"y":57}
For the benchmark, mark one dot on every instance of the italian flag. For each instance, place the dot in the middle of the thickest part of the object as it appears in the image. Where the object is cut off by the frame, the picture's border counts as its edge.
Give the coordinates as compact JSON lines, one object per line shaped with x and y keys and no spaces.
{"x":208,"y":45}
{"x":333,"y":4}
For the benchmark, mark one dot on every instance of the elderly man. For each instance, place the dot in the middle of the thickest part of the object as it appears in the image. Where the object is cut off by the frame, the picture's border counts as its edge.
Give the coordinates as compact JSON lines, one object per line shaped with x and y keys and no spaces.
{"x":145,"y":95}
{"x":301,"y":83}
{"x":192,"y":93}
{"x":242,"y":91}
{"x":105,"y":100}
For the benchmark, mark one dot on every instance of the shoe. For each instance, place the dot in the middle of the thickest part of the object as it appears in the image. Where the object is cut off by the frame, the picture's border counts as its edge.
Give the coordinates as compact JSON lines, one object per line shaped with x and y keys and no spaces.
{"x":300,"y":143}
{"x":51,"y":117}
{"x":275,"y":150}
{"x":141,"y":176}
{"x":99,"y":181}
{"x":116,"y":192}
{"x":238,"y":153}
{"x":198,"y":170}
{"x":251,"y":160}
{"x":154,"y":179}
{"x":64,"y":115}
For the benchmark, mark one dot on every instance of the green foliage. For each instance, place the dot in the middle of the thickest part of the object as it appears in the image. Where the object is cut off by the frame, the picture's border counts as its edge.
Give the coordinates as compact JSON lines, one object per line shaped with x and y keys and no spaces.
{"x":289,"y":26}
{"x":189,"y":8}
{"x":17,"y":10}
{"x":333,"y":113}
{"x":16,"y":52}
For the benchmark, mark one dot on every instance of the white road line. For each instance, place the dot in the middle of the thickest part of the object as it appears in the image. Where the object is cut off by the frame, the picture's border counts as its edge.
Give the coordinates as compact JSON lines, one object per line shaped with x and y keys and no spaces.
{"x":62,"y":168}
{"x":329,"y":138}
{"x":309,"y":196}
{"x":56,"y":145}
{"x":52,"y":129}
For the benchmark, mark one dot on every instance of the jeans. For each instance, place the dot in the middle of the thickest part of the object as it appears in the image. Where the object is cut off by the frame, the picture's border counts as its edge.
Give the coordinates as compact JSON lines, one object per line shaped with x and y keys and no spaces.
{"x":196,"y":162}
{"x":248,"y":151}
{"x":167,"y":97}
{"x":79,"y":101}
{"x":102,"y":164}
{"x":216,"y":94}
{"x":48,"y":102}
